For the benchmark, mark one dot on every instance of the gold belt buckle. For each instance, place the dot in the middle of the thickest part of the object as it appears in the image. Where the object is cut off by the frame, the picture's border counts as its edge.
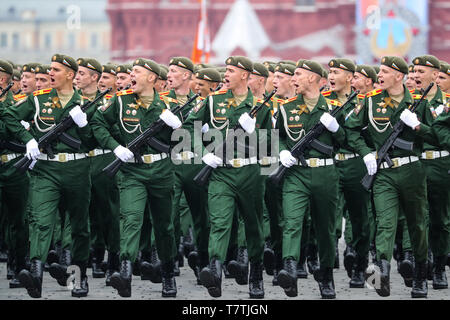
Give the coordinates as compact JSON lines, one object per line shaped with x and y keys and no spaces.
{"x":341,"y":156}
{"x":91,"y":153}
{"x":5,"y":158}
{"x":236,"y":163}
{"x":429,"y":155}
{"x":265,"y":161}
{"x":184,"y":155}
{"x":62,"y":157}
{"x":396,"y":163}
{"x":147,"y":158}
{"x":313,"y":162}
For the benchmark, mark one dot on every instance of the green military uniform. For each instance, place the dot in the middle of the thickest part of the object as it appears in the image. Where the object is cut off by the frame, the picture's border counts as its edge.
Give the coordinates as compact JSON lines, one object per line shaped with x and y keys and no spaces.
{"x":152,"y":180}
{"x":14,"y":191}
{"x":394,"y":188}
{"x":436,"y":161}
{"x":60,"y":179}
{"x":235,"y":185}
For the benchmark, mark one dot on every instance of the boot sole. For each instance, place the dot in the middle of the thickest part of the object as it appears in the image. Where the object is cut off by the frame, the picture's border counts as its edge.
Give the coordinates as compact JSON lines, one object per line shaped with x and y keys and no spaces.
{"x":15,"y":285}
{"x":286,"y":282}
{"x":256,"y":296}
{"x":117,"y":283}
{"x":27,"y":282}
{"x":352,"y":285}
{"x":208,"y":281}
{"x":406,"y":270}
{"x":439,"y":287}
{"x":168,"y":295}
{"x":385,"y":290}
{"x":98,"y":275}
{"x":418,"y":295}
{"x":58,"y":274}
{"x":79,"y":295}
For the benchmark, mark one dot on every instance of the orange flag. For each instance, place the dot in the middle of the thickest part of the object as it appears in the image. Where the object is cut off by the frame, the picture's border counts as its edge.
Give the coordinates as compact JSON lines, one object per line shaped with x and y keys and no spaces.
{"x":202,"y":43}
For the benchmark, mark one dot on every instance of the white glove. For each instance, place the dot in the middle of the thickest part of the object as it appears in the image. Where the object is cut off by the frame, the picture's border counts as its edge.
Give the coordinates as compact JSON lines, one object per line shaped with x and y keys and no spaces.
{"x":287,"y":159}
{"x":409,"y":118}
{"x":439,"y":109}
{"x":247,"y":123}
{"x":371,"y":164}
{"x":123,"y":153}
{"x":212,"y":160}
{"x":205,"y":128}
{"x":329,"y":122}
{"x":170,"y":119}
{"x":78,"y":116}
{"x":25,"y":124}
{"x":32,"y":149}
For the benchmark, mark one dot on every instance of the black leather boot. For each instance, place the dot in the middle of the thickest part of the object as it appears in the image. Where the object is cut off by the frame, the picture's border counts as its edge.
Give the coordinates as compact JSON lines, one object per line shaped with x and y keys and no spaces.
{"x":10,"y":266}
{"x":180,"y":256}
{"x":97,"y":261}
{"x":121,"y":281}
{"x":81,"y":289}
{"x":312,"y":259}
{"x":203,"y":261}
{"x":58,"y":271}
{"x":383,"y":289}
{"x":32,"y":280}
{"x":419,"y":285}
{"x":137,"y":265}
{"x":188,"y":244}
{"x":326,"y":283}
{"x":152,"y":269}
{"x":19,"y":265}
{"x":211,"y":278}
{"x":169,"y":287}
{"x":113,"y":266}
{"x":239,"y":268}
{"x":439,"y":276}
{"x":255,"y":284}
{"x":231,"y":254}
{"x":146,"y":258}
{"x":373,"y":252}
{"x":406,"y":268}
{"x":194,"y":262}
{"x":287,"y":278}
{"x":268,"y":258}
{"x":349,"y":259}
{"x":358,"y":280}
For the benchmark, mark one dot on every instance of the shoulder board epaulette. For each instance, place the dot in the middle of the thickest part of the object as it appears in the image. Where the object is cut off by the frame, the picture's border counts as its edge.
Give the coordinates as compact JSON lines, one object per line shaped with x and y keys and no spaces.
{"x":124,"y":92}
{"x":416,"y":96}
{"x":361,"y":96}
{"x":201,"y":98}
{"x":447,"y":95}
{"x":164,"y":93}
{"x":109,"y":96}
{"x":19,"y":96}
{"x":334,"y":102}
{"x":168,"y":99}
{"x":220,"y":92}
{"x":84,"y":98}
{"x":412,"y":91}
{"x":374,"y":92}
{"x":326,"y":93}
{"x":289,"y":100}
{"x":43,"y":91}
{"x":273,"y":99}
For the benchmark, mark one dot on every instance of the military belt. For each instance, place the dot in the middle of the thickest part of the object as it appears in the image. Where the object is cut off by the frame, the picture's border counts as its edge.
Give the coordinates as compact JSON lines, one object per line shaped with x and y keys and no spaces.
{"x":8,"y":157}
{"x":434,"y":154}
{"x":345,"y":156}
{"x":398,"y":162}
{"x":96,"y":152}
{"x":240,"y":162}
{"x":62,"y":157}
{"x":149,"y":158}
{"x":266,"y":161}
{"x":185,"y":155}
{"x":317,"y":162}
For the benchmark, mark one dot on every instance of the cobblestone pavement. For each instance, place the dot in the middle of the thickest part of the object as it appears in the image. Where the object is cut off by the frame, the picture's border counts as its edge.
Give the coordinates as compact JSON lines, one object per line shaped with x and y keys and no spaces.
{"x":189,"y":290}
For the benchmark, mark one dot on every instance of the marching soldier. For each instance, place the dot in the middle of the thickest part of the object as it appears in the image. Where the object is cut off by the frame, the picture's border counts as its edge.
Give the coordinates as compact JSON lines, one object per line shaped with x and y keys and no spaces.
{"x":435,"y":161}
{"x":64,"y":178}
{"x":16,"y":79}
{"x":161,"y":83}
{"x":313,"y":188}
{"x":351,"y":168}
{"x":410,"y":82}
{"x":14,"y":189}
{"x":234,"y":182}
{"x":403,"y":185}
{"x":28,"y":78}
{"x":108,"y":78}
{"x":134,"y":110}
{"x":206,"y":81}
{"x":443,"y":80}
